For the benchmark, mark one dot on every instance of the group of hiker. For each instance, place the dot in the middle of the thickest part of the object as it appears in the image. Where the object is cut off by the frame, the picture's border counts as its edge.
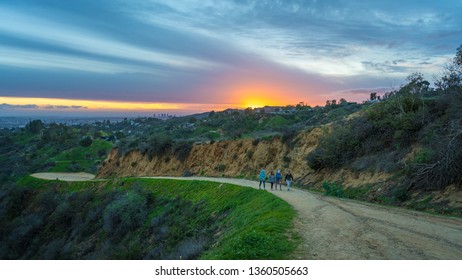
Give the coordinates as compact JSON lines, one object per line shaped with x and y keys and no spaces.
{"x":275,"y":179}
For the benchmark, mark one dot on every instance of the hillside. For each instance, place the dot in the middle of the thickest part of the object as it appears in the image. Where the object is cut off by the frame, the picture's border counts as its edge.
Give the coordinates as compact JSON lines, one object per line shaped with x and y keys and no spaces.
{"x":142,"y":219}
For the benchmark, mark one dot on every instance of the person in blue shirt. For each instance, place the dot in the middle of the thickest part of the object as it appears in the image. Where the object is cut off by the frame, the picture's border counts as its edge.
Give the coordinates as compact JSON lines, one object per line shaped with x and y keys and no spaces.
{"x":278,"y":180}
{"x":262,"y":178}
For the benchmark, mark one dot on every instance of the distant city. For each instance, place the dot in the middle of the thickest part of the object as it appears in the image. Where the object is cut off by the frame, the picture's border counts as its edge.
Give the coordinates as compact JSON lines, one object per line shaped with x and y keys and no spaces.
{"x":18,"y":122}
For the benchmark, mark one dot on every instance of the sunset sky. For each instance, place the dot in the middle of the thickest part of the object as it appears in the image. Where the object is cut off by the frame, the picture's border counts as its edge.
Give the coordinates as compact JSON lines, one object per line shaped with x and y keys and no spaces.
{"x":128,"y":57}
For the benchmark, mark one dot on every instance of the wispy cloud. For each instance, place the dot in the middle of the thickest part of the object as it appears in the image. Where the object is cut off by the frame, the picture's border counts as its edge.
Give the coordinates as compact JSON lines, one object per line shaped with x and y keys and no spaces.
{"x":5,"y":106}
{"x":327,"y":37}
{"x":44,"y":60}
{"x":87,"y":41}
{"x":62,"y":107}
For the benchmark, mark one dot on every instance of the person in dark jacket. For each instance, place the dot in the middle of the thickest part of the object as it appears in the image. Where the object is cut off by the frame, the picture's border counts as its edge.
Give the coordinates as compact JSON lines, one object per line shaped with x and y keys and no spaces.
{"x":289,"y":179}
{"x":271,"y":179}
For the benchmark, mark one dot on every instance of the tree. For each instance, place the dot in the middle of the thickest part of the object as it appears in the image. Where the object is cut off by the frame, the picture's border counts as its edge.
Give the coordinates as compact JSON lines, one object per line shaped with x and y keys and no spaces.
{"x":86,"y":141}
{"x":373,"y":96}
{"x":119,"y":135}
{"x":458,"y":57}
{"x":328,"y":103}
{"x":35,"y":126}
{"x":452,"y":73}
{"x":452,"y":77}
{"x":248,"y":111}
{"x":417,"y":83}
{"x":343,"y":100}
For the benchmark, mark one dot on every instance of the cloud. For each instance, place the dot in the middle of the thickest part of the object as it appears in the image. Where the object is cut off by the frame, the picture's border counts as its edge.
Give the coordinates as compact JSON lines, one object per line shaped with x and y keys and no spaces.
{"x":88,"y":42}
{"x":43,"y":60}
{"x":64,"y":107}
{"x":379,"y":90}
{"x":327,"y":37}
{"x":5,"y":106}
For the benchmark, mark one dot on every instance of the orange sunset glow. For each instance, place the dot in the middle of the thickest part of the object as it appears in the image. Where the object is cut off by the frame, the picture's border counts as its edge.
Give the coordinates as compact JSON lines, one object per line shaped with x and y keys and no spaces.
{"x":243,"y":96}
{"x":270,"y":94}
{"x":42,"y":104}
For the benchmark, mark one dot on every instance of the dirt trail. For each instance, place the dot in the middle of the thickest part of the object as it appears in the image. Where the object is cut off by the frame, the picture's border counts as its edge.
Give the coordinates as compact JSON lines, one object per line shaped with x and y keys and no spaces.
{"x":64,"y":176}
{"x":333,"y":228}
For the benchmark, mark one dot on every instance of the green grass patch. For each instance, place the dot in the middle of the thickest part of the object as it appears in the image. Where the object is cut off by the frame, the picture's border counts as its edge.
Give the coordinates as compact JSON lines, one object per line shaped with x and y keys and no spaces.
{"x":81,"y":159}
{"x":336,"y":189}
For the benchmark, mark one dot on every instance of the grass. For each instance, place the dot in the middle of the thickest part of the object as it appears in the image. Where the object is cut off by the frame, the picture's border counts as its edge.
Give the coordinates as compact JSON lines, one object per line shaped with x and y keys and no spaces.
{"x":247,"y":223}
{"x":337,"y":189}
{"x":81,"y":158}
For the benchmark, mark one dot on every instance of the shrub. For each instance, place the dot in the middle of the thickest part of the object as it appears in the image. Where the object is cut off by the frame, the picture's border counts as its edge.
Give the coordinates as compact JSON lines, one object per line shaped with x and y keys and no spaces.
{"x":86,"y":141}
{"x":423,"y":156}
{"x":249,"y":154}
{"x":182,"y":150}
{"x":156,"y":145}
{"x":333,"y":189}
{"x":334,"y":148}
{"x":315,"y":159}
{"x":124,"y":214}
{"x":443,"y":165}
{"x":288,"y":134}
{"x":187,"y":173}
{"x":220,"y":167}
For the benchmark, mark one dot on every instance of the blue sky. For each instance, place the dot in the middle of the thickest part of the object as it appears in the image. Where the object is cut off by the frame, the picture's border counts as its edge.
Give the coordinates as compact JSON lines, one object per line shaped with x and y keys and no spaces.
{"x":214,"y":54}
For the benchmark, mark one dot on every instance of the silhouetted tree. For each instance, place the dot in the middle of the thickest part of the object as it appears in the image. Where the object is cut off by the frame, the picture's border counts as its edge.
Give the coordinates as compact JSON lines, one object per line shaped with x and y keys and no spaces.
{"x":452,"y":73}
{"x":35,"y":126}
{"x":373,"y":96}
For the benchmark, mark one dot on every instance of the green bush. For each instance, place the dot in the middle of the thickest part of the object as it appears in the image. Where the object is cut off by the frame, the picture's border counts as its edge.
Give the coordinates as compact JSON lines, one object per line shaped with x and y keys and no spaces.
{"x":182,"y":150}
{"x":86,"y":141}
{"x":423,"y":156}
{"x":124,"y":214}
{"x":333,"y":189}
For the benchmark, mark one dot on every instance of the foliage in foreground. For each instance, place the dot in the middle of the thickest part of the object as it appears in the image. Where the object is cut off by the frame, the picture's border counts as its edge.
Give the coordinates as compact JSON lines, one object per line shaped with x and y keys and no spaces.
{"x":141,"y":219}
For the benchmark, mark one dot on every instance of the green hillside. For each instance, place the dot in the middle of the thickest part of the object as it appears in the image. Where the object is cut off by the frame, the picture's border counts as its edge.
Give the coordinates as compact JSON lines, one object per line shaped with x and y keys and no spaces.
{"x":142,"y":219}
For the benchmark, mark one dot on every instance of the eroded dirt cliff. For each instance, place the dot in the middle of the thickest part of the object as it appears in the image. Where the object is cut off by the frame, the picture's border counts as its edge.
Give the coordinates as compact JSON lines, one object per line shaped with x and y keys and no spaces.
{"x":238,"y":158}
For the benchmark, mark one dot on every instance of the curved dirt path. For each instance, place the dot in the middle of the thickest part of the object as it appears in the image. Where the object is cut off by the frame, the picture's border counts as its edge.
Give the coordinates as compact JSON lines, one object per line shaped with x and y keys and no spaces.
{"x":64,"y":176}
{"x":333,"y":228}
